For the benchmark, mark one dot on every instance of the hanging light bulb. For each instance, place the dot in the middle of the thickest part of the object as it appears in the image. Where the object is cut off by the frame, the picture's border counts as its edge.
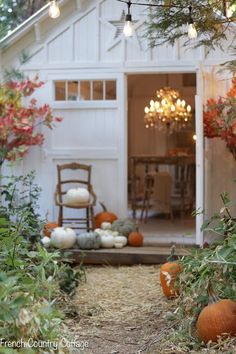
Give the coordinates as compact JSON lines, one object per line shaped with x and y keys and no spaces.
{"x":192,"y":32}
{"x":54,"y":10}
{"x":128,"y":27}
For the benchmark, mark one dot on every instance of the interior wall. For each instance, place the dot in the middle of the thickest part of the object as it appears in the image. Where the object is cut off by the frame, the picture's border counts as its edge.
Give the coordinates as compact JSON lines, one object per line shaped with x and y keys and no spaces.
{"x":141,"y":89}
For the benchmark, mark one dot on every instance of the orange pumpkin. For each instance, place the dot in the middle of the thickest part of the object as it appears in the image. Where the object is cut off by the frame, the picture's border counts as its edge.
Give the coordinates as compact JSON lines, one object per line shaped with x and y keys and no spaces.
{"x":216,"y":319}
{"x":135,"y":239}
{"x":103,"y":216}
{"x":168,"y":274}
{"x":48,"y":228}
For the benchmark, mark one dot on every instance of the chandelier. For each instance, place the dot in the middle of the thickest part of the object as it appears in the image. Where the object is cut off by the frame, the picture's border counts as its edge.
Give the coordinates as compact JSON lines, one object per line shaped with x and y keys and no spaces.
{"x":168,"y":112}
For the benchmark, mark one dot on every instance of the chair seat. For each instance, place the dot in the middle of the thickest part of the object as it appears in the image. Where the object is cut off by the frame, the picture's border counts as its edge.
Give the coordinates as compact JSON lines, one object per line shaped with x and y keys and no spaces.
{"x":77,"y":206}
{"x":73,"y":175}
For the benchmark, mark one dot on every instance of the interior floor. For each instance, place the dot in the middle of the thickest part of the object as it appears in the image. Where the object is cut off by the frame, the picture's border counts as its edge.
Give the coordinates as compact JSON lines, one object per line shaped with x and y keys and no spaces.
{"x":160,"y":230}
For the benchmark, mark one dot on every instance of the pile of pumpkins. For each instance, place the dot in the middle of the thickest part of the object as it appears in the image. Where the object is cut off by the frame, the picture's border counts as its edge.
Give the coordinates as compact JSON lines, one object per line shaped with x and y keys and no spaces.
{"x":109,"y":232}
{"x":216,"y":319}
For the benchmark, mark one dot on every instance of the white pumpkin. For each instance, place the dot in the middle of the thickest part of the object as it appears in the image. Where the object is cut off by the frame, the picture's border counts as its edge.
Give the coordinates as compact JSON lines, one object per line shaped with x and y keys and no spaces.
{"x":77,"y":196}
{"x":106,"y":225}
{"x":118,"y":245}
{"x":63,"y":237}
{"x":121,"y":239}
{"x":107,"y":241}
{"x":46,"y":241}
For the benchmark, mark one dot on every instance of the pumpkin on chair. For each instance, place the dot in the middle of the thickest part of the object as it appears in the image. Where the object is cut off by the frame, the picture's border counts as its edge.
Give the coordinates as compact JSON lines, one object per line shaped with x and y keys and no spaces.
{"x":104,"y":216}
{"x":77,"y":196}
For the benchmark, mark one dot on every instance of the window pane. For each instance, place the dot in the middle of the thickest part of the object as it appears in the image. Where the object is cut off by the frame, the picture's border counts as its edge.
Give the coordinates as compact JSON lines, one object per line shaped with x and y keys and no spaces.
{"x":85,"y":90}
{"x":72,"y":90}
{"x":60,"y":90}
{"x":97,"y":90}
{"x":111,"y":90}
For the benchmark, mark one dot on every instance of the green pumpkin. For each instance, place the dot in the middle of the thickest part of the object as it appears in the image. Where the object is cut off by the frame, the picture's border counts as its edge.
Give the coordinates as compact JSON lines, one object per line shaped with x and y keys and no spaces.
{"x":89,"y":240}
{"x":123,"y":226}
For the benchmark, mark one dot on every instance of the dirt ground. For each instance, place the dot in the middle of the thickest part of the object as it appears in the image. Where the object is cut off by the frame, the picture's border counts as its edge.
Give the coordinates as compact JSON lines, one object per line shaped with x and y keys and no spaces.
{"x":121,"y":310}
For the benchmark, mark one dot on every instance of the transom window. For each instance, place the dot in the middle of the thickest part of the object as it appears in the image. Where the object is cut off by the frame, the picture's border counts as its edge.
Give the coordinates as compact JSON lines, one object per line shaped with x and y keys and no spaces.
{"x":85,"y":90}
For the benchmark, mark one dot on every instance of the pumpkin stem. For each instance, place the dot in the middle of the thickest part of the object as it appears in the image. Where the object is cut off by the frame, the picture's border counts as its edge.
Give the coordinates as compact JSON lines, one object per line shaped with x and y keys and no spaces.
{"x":172,"y":257}
{"x":213,"y":298}
{"x":103,"y":206}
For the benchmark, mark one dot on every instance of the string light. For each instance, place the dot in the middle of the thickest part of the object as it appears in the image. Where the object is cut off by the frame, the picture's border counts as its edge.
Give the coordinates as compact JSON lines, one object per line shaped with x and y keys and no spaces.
{"x":54,"y":10}
{"x":192,"y":32}
{"x":128,"y":27}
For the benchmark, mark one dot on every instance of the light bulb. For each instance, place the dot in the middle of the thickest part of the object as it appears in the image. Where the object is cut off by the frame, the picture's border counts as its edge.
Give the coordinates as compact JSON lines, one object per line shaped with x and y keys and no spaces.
{"x":183,"y":103}
{"x":192,"y":32}
{"x":188,"y":108}
{"x":152,"y":103}
{"x":172,"y":108}
{"x":157,"y":104}
{"x":146,"y":110}
{"x":128,"y":27}
{"x":195,"y":137}
{"x":163,"y":102}
{"x":54,"y":10}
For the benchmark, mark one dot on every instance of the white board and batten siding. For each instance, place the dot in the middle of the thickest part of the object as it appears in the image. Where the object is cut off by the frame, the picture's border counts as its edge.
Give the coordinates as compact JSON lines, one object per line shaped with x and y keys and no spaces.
{"x":86,"y":43}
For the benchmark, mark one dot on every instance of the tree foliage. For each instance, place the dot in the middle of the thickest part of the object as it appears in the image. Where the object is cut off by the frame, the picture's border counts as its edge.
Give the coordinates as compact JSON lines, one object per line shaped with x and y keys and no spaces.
{"x":14,"y":12}
{"x":169,"y":23}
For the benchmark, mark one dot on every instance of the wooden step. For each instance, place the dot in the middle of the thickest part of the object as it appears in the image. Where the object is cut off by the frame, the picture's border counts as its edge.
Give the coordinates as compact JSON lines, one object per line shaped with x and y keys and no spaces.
{"x":125,"y":256}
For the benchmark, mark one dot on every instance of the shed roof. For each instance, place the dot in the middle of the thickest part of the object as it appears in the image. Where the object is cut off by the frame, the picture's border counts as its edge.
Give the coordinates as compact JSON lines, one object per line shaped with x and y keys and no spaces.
{"x":28,"y":24}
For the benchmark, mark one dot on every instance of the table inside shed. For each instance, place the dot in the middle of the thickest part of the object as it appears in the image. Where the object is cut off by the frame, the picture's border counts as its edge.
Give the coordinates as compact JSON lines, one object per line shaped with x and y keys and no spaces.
{"x":153,"y":162}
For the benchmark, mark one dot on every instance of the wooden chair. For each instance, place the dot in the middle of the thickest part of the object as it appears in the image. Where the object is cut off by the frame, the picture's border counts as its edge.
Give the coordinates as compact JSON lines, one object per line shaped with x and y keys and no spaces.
{"x":60,"y":200}
{"x":157,"y":194}
{"x":183,"y":196}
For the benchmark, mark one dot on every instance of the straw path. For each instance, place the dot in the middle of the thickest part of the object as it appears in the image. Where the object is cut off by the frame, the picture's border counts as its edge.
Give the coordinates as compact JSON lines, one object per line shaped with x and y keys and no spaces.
{"x":121,"y":310}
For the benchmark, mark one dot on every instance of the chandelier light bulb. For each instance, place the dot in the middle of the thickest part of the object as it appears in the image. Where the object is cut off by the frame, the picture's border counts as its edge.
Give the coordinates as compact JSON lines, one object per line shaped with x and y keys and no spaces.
{"x":183,"y":103}
{"x":189,"y":108}
{"x":178,"y":102}
{"x":192,"y":32}
{"x":172,"y":108}
{"x":163,"y":102}
{"x":152,"y":103}
{"x":195,"y":137}
{"x":157,"y":104}
{"x":146,"y":110}
{"x":54,"y":10}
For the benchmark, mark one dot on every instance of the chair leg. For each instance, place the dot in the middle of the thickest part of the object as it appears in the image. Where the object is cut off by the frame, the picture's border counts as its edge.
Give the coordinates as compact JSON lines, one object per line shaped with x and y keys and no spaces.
{"x":92,"y":218}
{"x":87,"y":219}
{"x":60,"y":216}
{"x":142,"y":210}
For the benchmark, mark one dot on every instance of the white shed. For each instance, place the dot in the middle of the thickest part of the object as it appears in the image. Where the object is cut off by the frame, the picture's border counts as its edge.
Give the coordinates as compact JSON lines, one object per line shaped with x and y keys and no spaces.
{"x":99,"y":81}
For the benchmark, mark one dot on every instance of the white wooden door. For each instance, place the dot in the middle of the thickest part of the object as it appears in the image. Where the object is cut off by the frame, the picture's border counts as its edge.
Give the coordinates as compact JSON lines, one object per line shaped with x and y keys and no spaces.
{"x":199,"y":158}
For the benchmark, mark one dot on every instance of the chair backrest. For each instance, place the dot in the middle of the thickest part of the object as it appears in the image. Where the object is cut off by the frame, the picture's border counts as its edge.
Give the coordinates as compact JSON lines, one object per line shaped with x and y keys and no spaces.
{"x":183,"y":180}
{"x":84,"y":177}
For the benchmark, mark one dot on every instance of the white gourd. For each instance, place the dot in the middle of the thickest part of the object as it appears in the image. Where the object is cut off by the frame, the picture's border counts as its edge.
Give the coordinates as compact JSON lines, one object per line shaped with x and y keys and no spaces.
{"x":118,"y":245}
{"x":106,"y":225}
{"x":121,"y":239}
{"x":77,"y":196}
{"x":63,"y":238}
{"x":46,"y":241}
{"x":107,"y":240}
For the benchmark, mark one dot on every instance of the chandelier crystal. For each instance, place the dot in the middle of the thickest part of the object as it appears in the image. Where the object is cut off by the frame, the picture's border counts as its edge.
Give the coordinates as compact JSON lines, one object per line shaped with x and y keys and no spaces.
{"x":168,"y":112}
